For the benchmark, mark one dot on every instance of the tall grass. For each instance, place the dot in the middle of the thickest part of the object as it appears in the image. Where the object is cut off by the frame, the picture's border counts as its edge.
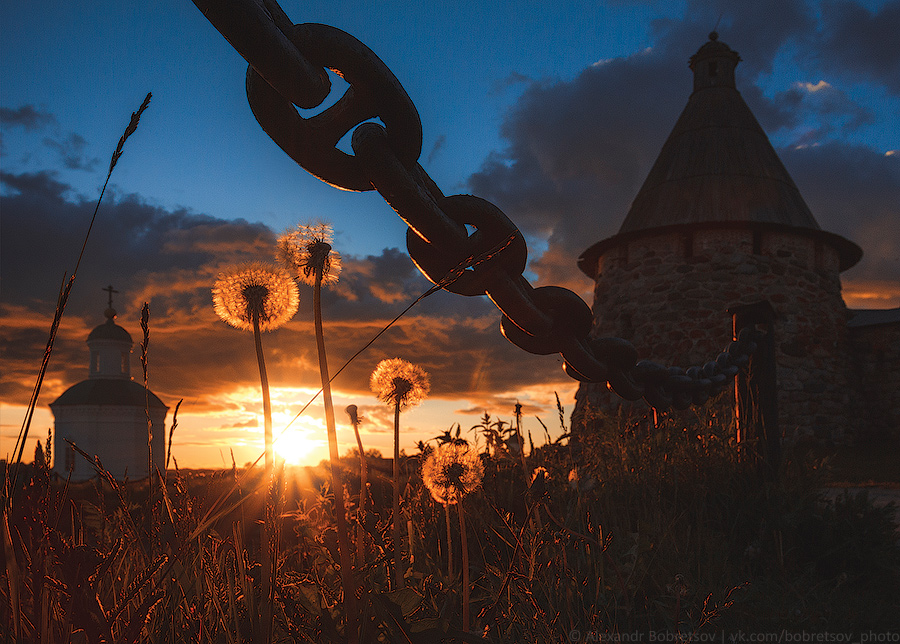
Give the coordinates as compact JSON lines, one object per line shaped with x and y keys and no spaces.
{"x":661,"y":530}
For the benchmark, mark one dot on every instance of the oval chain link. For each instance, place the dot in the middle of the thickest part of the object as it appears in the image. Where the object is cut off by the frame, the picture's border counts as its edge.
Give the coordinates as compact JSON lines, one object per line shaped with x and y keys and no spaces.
{"x":288,"y":67}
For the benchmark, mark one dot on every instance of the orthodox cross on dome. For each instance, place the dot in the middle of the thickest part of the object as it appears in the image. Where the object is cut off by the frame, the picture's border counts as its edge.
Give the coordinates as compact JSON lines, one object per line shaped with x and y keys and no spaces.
{"x":110,"y":312}
{"x":110,"y":290}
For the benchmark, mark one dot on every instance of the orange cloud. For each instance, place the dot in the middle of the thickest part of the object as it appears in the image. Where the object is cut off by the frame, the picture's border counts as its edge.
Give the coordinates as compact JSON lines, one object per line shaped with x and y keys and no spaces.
{"x":871,"y":294}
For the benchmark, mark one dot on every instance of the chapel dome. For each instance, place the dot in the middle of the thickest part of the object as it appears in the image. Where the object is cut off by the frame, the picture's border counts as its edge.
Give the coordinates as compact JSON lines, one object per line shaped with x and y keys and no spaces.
{"x":108,"y":391}
{"x":110,"y":331}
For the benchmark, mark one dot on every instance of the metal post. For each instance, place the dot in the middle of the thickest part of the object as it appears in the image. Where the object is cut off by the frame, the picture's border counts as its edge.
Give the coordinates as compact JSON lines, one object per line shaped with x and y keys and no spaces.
{"x":756,"y":389}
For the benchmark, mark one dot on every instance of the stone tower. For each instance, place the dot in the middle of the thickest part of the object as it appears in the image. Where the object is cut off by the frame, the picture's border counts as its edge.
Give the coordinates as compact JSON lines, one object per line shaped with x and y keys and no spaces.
{"x":719,"y":223}
{"x":106,"y":415}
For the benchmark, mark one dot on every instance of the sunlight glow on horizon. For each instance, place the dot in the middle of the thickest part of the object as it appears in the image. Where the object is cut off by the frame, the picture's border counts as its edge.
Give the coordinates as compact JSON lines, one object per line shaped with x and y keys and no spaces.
{"x":297,"y":447}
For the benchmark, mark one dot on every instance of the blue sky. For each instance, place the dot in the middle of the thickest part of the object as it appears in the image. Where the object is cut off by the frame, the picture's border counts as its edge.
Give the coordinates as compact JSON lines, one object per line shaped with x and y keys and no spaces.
{"x":89,"y":66}
{"x":553,"y":111}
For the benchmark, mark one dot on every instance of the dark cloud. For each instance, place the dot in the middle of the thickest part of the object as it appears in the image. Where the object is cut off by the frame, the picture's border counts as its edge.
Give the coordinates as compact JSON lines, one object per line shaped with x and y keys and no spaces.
{"x":809,"y":112}
{"x":147,"y":253}
{"x":71,"y":150}
{"x":578,"y":153}
{"x":757,"y":30}
{"x":171,"y":258}
{"x":861,"y":43}
{"x":579,"y":150}
{"x":437,"y":147}
{"x":44,"y":224}
{"x":855,"y":192}
{"x":27,"y":117}
{"x":515,"y":78}
{"x":70,"y":147}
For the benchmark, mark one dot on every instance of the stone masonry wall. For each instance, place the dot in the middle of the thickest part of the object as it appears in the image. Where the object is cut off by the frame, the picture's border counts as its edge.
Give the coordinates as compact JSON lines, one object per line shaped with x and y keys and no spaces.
{"x":875,"y":356}
{"x":668,"y":295}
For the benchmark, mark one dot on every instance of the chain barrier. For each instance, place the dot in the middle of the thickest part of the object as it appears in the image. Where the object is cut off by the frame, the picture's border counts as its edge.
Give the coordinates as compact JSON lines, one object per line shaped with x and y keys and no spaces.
{"x":287,"y":67}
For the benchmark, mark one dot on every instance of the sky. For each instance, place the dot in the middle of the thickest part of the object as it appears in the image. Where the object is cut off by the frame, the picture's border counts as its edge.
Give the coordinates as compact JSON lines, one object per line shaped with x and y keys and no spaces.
{"x":552,"y":111}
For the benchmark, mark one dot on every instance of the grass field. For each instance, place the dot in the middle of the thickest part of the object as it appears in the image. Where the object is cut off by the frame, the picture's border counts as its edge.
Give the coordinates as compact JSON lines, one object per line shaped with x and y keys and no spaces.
{"x":663,"y":532}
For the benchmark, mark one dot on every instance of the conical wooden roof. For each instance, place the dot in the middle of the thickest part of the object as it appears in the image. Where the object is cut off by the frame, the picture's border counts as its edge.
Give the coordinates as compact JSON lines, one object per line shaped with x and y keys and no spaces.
{"x":717,"y":164}
{"x":718,"y":167}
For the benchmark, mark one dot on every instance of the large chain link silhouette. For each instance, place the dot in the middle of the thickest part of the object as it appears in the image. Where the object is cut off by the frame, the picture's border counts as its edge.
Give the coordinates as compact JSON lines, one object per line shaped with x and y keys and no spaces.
{"x":288,"y":66}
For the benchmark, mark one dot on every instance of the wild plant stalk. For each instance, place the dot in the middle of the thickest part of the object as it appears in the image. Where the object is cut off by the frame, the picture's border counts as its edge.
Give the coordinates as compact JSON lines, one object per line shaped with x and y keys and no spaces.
{"x":400,"y":384}
{"x":361,"y":554}
{"x":395,"y":499}
{"x":535,"y":522}
{"x":66,"y":288}
{"x":337,"y":479}
{"x":410,"y":540}
{"x":145,"y":369}
{"x":19,"y":449}
{"x":266,"y":398}
{"x":172,"y":432}
{"x":465,"y":563}
{"x":449,"y":542}
{"x":264,"y":633}
{"x":307,"y":250}
{"x":258,"y":297}
{"x":520,"y":439}
{"x":451,"y":472}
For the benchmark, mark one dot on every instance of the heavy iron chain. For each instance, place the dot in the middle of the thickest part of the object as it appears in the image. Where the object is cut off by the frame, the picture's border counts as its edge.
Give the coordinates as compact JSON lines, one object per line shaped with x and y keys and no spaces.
{"x":288,"y":66}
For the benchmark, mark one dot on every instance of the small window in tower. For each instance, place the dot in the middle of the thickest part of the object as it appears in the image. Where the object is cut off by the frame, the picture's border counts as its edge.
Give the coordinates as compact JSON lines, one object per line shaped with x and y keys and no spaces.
{"x":95,"y":361}
{"x":713,"y":68}
{"x":124,"y":362}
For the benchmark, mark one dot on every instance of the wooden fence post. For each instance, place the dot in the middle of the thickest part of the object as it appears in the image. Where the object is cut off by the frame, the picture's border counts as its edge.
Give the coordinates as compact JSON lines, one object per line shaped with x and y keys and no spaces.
{"x":756,"y":389}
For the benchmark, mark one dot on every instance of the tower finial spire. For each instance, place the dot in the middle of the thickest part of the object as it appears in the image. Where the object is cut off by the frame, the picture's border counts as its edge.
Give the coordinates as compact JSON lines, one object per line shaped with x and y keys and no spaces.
{"x":713,"y":64}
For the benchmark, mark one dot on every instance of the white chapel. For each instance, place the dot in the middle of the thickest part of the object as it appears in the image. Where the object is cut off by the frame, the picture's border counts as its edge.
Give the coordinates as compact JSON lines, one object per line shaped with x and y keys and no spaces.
{"x":106,"y":415}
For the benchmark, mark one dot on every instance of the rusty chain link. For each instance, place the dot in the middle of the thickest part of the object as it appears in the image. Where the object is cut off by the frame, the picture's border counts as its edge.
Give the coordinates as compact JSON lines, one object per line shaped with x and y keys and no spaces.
{"x":288,"y":66}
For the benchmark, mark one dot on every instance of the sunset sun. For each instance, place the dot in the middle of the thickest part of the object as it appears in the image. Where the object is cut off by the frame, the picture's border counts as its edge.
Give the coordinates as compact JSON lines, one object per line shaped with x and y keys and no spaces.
{"x":296,"y":447}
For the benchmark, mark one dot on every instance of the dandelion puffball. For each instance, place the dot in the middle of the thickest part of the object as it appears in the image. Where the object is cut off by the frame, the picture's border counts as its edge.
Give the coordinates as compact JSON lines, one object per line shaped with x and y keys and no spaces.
{"x":256,"y":290}
{"x":307,"y":251}
{"x":398,"y":382}
{"x":451,"y":472}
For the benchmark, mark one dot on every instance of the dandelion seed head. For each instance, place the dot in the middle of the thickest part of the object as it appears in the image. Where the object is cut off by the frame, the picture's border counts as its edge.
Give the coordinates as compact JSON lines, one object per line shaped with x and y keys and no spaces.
{"x":307,"y":250}
{"x":255,"y":289}
{"x":396,"y":381}
{"x":451,"y":472}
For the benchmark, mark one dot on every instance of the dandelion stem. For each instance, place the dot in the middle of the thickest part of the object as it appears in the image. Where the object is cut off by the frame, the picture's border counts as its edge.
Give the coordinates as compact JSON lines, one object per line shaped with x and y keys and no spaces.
{"x":337,"y":479}
{"x":398,"y":573}
{"x":363,"y":489}
{"x":267,"y":403}
{"x":449,"y":542}
{"x":268,"y":586}
{"x":465,"y":562}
